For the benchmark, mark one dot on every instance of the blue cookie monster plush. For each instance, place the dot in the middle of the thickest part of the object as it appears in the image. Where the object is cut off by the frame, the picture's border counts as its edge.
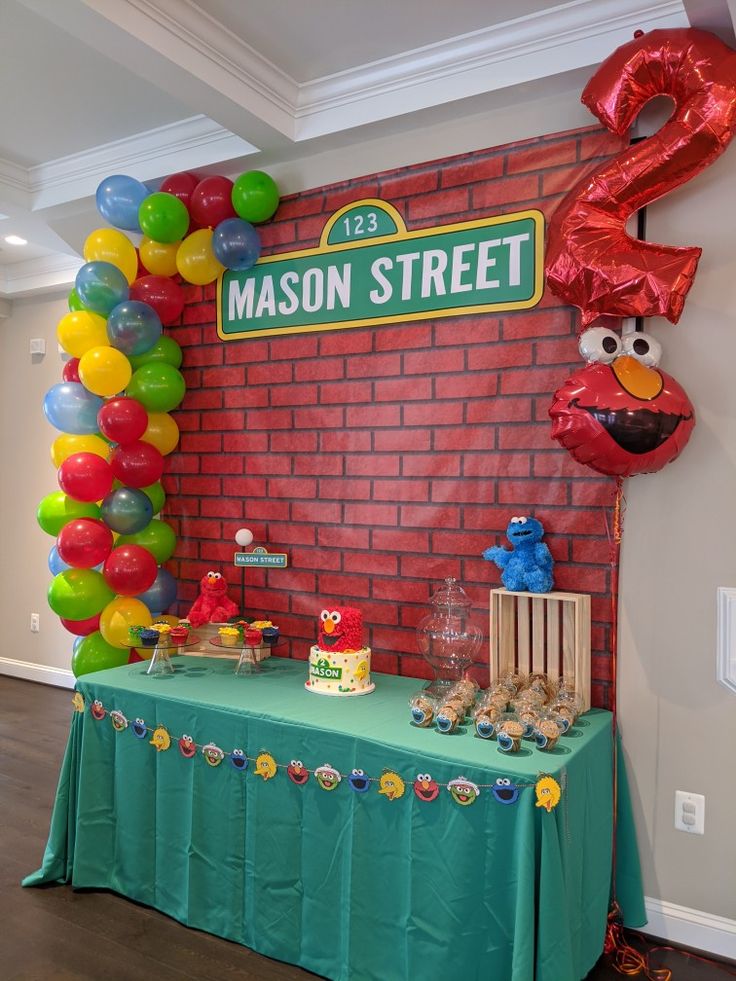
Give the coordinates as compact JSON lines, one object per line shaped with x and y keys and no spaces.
{"x":528,"y":566}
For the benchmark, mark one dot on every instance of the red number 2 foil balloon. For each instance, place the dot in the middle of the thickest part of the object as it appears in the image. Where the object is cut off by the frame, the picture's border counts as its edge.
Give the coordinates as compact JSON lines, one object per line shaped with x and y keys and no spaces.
{"x":592,"y":262}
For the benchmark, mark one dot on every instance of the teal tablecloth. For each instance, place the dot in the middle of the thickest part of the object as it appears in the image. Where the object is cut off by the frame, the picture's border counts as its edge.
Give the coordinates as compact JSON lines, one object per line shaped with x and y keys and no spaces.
{"x":349,"y":885}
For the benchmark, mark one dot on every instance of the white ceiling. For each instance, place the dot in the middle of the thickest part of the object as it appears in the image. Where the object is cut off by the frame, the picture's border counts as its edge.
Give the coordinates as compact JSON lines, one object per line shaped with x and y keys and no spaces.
{"x":148,"y":87}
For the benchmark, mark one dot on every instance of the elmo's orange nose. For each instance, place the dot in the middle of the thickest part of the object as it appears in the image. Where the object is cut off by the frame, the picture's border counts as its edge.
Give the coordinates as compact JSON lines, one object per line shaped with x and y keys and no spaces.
{"x":328,"y":627}
{"x":638,"y":380}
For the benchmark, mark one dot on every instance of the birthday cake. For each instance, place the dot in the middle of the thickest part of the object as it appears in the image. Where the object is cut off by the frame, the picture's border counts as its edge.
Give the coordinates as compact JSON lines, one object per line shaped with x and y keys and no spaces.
{"x":339,"y":664}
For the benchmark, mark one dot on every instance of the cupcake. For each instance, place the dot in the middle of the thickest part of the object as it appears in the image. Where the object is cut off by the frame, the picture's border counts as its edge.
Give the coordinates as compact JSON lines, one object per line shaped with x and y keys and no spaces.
{"x":252,"y":637}
{"x":134,"y":636}
{"x":179,"y":635}
{"x":229,"y":636}
{"x":261,"y":624}
{"x":148,"y":637}
{"x":270,"y":635}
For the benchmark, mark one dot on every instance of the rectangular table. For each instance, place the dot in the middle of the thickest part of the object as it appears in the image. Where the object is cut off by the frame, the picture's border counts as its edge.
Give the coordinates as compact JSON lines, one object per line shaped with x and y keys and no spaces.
{"x":348,"y":884}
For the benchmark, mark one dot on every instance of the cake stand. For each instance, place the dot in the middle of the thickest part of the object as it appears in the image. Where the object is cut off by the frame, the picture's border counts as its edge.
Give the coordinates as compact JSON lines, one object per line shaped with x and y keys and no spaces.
{"x":163,"y":651}
{"x":249,"y":662}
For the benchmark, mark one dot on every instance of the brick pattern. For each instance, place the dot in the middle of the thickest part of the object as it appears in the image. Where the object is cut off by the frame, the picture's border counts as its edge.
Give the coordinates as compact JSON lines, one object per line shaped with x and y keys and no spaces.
{"x":384,"y":459}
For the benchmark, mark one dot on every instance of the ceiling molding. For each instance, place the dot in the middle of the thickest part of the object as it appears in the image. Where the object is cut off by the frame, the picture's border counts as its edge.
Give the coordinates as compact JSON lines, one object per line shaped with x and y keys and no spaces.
{"x":41,"y":275}
{"x":14,"y":186}
{"x":186,"y":35}
{"x":461,"y":67}
{"x":187,"y":144}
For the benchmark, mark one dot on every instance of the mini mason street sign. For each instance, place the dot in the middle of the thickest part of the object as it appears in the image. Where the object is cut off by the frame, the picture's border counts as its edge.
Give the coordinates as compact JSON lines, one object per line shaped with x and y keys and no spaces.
{"x":262,"y":559}
{"x":369,"y":269}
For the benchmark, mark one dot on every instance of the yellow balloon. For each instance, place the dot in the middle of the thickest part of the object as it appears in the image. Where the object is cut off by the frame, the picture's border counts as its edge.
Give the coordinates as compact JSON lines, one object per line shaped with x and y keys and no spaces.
{"x":81,"y":330}
{"x":67,"y":445}
{"x":195,"y":260}
{"x":119,"y":616}
{"x":104,"y":371}
{"x":161,"y":432}
{"x":110,"y":245}
{"x":167,"y":618}
{"x":159,"y":258}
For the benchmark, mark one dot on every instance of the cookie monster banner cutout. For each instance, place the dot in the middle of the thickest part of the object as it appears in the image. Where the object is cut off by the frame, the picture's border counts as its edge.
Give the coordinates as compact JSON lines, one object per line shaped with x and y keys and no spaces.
{"x":369,"y":270}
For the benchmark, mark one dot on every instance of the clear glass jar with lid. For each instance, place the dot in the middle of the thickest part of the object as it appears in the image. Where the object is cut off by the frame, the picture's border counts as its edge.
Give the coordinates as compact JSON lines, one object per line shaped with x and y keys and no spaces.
{"x":447,"y":637}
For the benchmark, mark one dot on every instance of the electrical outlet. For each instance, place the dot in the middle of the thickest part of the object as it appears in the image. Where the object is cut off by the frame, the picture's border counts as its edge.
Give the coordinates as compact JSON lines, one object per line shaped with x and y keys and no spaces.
{"x":689,"y":812}
{"x":35,"y":623}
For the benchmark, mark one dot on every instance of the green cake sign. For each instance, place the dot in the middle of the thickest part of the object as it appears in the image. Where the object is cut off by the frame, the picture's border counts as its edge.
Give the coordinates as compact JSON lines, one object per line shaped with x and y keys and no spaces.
{"x":323,"y":669}
{"x":368,"y":269}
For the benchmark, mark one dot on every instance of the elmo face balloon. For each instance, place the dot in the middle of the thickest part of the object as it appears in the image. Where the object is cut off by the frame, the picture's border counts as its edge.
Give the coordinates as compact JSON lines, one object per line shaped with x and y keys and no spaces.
{"x":620,"y":415}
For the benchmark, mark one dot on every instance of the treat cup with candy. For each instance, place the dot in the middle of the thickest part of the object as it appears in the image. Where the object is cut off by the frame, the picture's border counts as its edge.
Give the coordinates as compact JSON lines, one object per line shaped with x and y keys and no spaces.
{"x":448,"y":718}
{"x":422,"y":709}
{"x":509,"y":732}
{"x":547,"y":732}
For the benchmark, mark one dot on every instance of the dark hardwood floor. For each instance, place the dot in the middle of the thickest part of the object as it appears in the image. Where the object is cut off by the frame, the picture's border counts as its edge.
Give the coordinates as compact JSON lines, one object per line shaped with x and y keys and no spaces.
{"x":56,"y":934}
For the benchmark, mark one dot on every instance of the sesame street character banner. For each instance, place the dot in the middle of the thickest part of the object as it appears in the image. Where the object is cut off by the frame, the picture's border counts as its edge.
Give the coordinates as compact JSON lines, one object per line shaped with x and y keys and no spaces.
{"x":368,"y":269}
{"x":391,"y":784}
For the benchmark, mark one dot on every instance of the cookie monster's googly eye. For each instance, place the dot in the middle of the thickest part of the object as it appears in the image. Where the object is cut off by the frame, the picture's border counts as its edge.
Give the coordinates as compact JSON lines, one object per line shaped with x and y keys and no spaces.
{"x":523,"y":521}
{"x":357,"y":773}
{"x":643,"y":347}
{"x":503,"y":782}
{"x":515,"y":521}
{"x":599,"y":345}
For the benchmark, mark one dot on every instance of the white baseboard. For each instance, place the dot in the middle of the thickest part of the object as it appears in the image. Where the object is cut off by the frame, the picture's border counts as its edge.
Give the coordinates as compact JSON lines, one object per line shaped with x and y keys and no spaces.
{"x":60,"y":677}
{"x":686,"y":927}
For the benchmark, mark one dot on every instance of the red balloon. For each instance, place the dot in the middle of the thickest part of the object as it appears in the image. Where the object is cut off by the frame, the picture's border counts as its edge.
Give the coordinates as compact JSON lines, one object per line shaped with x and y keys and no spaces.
{"x":138,"y":464}
{"x":70,"y":371}
{"x":82,"y":628}
{"x":181,"y":186}
{"x":84,"y":543}
{"x":85,"y":477}
{"x":620,"y":421}
{"x":591,"y":260}
{"x":123,"y":420}
{"x":163,"y":294}
{"x":211,"y":201}
{"x":130,"y":569}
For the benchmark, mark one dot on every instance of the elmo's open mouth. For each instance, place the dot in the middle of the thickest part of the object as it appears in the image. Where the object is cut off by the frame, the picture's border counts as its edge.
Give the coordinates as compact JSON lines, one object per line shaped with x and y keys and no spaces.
{"x":636,"y":431}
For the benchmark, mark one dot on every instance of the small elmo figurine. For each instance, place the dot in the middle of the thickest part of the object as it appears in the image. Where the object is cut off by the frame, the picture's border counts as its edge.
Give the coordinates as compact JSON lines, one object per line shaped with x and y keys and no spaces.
{"x":213,"y":604}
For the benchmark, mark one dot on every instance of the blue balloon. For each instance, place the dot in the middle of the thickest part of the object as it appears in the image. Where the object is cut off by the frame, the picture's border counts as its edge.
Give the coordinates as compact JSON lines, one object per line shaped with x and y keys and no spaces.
{"x":133,"y":327}
{"x":56,"y":563}
{"x":162,"y":594}
{"x":236,"y":244}
{"x":118,"y":200}
{"x":101,"y":287}
{"x":76,"y":644}
{"x":69,"y":407}
{"x":127,"y":510}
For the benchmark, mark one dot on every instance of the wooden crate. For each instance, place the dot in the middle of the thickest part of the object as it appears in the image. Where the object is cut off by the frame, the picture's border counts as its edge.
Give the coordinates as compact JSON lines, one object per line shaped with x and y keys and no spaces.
{"x":547,"y":632}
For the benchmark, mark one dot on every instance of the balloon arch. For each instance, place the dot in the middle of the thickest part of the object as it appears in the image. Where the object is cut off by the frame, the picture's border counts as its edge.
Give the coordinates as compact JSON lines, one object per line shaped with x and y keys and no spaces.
{"x":122,"y":381}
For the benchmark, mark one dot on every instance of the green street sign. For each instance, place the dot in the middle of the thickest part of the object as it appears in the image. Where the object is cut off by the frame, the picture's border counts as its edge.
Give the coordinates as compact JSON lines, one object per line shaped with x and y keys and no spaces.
{"x":260,"y":558}
{"x":368,"y":269}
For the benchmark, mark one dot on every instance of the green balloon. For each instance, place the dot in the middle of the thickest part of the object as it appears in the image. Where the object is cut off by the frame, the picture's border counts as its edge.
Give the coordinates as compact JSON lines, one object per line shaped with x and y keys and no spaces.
{"x":255,"y":196}
{"x":158,"y":386}
{"x":74,"y":303}
{"x":157,"y":496}
{"x":56,"y":509}
{"x":165,"y":349}
{"x":77,"y":594}
{"x":95,"y":654}
{"x":163,"y":217}
{"x":157,"y":537}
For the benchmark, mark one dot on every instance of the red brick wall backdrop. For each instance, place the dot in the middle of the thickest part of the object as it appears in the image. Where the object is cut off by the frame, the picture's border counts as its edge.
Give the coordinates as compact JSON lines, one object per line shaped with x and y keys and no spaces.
{"x":382,"y":459}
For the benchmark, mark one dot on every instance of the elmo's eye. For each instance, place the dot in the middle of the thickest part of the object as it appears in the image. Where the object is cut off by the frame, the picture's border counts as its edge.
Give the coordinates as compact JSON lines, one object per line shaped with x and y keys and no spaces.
{"x":644,"y":348}
{"x":324,"y":615}
{"x":335,"y":617}
{"x":599,"y":345}
{"x":300,"y":764}
{"x":217,"y":575}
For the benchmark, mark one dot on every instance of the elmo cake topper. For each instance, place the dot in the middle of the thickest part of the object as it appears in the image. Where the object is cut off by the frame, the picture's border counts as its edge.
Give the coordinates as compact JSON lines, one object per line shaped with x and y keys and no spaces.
{"x":621,"y":415}
{"x":340,"y":629}
{"x":213,"y":605}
